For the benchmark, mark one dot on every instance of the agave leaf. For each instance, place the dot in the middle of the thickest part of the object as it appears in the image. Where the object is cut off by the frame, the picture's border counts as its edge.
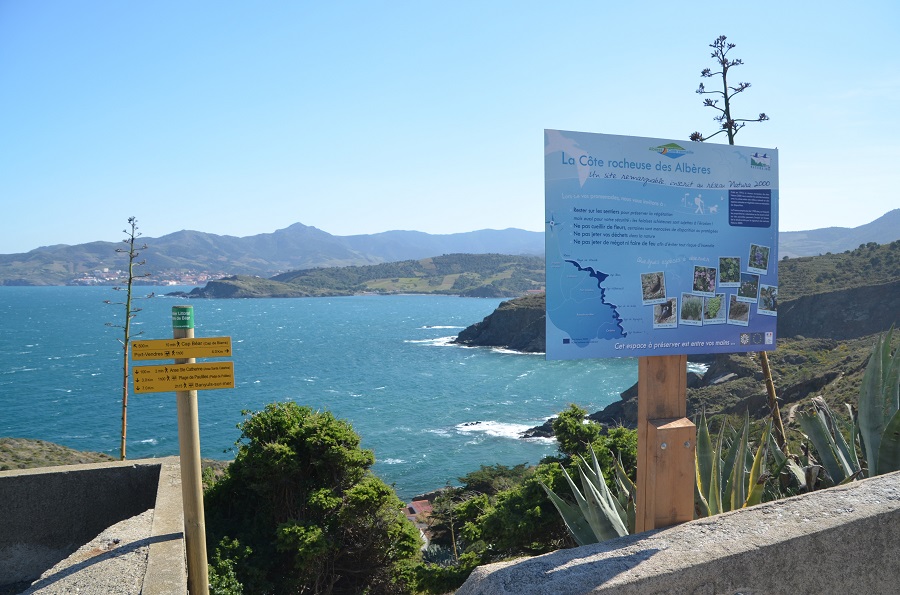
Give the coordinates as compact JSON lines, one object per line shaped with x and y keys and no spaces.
{"x":758,"y":475}
{"x":603,"y":518}
{"x":890,"y":369}
{"x":627,"y":493}
{"x":596,"y":517}
{"x":701,"y":506}
{"x":889,"y":455}
{"x":728,"y":464}
{"x":610,"y":501}
{"x":782,"y":462}
{"x":841,"y":449}
{"x":575,"y":522}
{"x":854,"y":438}
{"x":714,"y":497}
{"x":823,"y":442}
{"x":738,"y":486}
{"x":871,"y":406}
{"x":847,"y":451}
{"x":704,"y":456}
{"x":622,"y":478}
{"x":891,"y":387}
{"x":592,"y":514}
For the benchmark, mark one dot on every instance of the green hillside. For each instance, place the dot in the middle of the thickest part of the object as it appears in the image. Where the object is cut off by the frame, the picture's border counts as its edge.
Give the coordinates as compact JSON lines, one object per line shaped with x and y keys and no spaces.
{"x":869,"y":264}
{"x":470,"y":275}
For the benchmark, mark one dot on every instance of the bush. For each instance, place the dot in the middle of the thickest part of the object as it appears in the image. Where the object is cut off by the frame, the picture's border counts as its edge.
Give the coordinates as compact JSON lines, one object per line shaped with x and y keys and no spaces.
{"x":301,"y":506}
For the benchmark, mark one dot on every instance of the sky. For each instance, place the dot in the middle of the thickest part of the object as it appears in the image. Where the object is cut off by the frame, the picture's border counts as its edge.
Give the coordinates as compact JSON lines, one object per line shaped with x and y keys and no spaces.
{"x":240,"y":118}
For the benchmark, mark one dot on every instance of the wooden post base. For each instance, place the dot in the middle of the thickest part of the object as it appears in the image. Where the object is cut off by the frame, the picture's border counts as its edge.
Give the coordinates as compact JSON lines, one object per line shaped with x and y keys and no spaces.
{"x":665,"y":472}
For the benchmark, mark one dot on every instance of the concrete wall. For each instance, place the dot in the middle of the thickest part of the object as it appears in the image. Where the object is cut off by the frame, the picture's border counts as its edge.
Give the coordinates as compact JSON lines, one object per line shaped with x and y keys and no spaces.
{"x":840,"y":540}
{"x":48,"y":513}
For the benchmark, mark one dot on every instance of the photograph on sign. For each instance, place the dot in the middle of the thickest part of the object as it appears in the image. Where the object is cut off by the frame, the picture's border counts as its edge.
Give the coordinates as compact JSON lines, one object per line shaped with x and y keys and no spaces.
{"x":658,"y":247}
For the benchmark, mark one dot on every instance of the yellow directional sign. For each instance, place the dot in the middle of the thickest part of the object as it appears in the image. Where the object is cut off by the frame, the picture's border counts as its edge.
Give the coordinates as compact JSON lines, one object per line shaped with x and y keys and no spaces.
{"x":181,"y":348}
{"x":181,"y":377}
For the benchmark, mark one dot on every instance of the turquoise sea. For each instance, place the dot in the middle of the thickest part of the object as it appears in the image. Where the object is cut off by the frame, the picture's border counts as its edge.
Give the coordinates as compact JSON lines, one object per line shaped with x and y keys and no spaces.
{"x":431,"y":411}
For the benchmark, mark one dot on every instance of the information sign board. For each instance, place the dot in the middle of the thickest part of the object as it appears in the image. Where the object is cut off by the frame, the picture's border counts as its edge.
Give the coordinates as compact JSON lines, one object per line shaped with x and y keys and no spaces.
{"x":183,"y":377}
{"x":659,"y":247}
{"x":153,"y":349}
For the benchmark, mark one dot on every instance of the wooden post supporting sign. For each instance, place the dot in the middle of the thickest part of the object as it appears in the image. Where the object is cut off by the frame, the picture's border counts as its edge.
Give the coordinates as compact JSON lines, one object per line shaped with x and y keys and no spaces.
{"x":666,"y":444}
{"x":189,"y":447}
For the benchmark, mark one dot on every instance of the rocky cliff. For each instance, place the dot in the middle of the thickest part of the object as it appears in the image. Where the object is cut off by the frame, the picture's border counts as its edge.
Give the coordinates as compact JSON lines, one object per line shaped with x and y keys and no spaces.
{"x":824,"y":344}
{"x":517,"y":324}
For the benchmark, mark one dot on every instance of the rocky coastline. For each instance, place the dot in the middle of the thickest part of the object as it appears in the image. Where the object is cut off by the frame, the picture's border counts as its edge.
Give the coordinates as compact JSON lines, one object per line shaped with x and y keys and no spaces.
{"x":829,"y":360}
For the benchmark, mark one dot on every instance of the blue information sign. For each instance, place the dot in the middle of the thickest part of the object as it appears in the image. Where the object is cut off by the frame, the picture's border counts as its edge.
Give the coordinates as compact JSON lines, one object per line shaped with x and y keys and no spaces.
{"x":659,"y":247}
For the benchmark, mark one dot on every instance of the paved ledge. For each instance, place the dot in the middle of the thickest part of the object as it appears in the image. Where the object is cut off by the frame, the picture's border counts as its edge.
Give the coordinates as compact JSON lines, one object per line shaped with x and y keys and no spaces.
{"x":48,"y":515}
{"x":840,"y":540}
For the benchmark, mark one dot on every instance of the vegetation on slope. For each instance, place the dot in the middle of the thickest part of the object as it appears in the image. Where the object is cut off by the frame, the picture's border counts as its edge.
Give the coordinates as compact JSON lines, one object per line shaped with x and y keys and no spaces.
{"x":869,"y":264}
{"x":468,"y":275}
{"x":24,"y":453}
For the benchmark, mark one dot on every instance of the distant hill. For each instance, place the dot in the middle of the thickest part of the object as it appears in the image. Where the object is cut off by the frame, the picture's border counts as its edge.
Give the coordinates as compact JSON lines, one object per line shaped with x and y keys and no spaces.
{"x":293,"y":248}
{"x":883,"y":230}
{"x":300,"y":247}
{"x":469,"y":275}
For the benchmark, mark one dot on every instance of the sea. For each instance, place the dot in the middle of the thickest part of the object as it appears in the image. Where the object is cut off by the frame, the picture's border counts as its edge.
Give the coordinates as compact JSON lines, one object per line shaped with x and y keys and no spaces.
{"x":432,"y":411}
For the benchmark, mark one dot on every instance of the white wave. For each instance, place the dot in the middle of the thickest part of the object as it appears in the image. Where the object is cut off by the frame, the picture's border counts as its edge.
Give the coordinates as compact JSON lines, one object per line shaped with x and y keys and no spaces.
{"x":513,"y":351}
{"x":151,"y":441}
{"x":393,"y":461}
{"x":439,"y":326}
{"x":493,"y":428}
{"x":438,"y":431}
{"x":697,"y":368}
{"x":437,"y":342}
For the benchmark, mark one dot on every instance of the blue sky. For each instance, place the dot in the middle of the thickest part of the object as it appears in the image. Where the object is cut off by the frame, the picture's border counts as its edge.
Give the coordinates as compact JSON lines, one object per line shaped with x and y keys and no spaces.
{"x":239,"y":118}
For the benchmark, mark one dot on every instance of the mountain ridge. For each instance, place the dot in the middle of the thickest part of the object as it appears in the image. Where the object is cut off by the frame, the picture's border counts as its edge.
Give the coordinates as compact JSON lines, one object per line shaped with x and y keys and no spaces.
{"x":299,"y":246}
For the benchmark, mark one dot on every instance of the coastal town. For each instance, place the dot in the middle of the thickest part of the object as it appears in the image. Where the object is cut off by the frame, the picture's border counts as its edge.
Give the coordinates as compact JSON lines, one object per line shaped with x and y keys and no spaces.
{"x":106,"y":276}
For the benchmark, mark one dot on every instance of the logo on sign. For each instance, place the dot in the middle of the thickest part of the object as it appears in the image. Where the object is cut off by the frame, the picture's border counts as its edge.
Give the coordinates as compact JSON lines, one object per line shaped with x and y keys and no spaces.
{"x":763,"y":161}
{"x":671,"y":150}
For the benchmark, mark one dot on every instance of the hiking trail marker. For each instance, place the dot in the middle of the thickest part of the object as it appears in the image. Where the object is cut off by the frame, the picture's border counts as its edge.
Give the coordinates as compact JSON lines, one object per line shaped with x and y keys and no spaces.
{"x":185,"y":377}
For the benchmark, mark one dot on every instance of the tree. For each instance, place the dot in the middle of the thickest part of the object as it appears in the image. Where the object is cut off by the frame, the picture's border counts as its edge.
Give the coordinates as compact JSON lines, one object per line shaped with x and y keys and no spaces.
{"x":307,"y":515}
{"x":130,"y":312}
{"x":573,"y":435}
{"x":731,"y":126}
{"x":728,"y":124}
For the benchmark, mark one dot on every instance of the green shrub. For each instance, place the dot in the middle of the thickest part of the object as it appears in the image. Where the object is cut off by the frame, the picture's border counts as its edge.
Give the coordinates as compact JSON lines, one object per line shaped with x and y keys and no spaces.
{"x":307,"y":512}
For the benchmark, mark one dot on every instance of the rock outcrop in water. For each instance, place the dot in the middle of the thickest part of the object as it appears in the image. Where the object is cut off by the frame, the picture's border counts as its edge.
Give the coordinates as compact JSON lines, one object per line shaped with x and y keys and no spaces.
{"x":517,"y":324}
{"x":828,"y":358}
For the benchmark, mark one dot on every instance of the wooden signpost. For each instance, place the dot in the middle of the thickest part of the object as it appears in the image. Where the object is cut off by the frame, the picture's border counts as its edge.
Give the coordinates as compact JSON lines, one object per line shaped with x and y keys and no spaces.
{"x":185,"y":377}
{"x":666,"y":444}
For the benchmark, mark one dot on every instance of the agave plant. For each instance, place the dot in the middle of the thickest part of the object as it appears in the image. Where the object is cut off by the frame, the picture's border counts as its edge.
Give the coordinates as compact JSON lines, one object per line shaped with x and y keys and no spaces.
{"x":729,"y":476}
{"x":837,"y":456}
{"x":879,"y":402}
{"x":598,"y":515}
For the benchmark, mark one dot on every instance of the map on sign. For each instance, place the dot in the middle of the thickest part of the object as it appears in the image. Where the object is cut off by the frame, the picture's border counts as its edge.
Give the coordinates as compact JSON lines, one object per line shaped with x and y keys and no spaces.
{"x":659,"y":247}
